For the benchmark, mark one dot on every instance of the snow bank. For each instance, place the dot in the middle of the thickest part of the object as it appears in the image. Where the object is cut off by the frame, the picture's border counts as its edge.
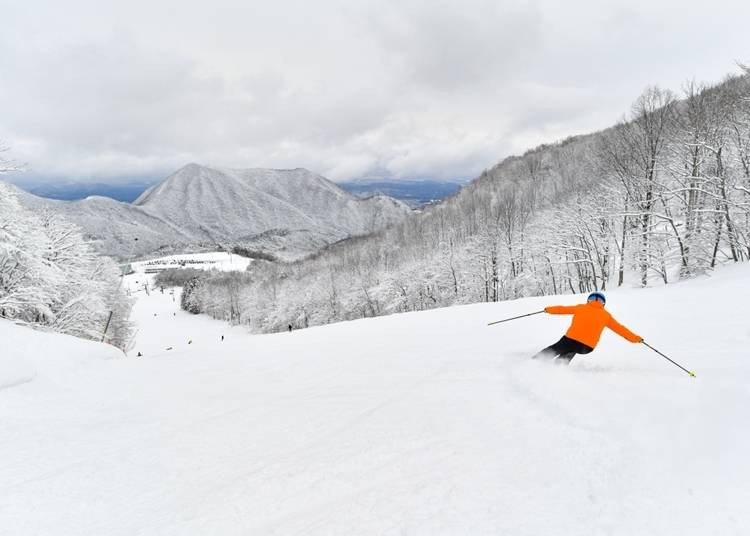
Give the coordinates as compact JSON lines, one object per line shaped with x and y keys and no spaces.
{"x":15,"y":362}
{"x":27,"y":353}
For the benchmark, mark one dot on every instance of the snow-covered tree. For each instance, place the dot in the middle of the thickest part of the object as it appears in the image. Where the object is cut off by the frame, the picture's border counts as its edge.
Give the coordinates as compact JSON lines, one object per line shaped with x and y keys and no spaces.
{"x":663,"y":194}
{"x":50,"y":277}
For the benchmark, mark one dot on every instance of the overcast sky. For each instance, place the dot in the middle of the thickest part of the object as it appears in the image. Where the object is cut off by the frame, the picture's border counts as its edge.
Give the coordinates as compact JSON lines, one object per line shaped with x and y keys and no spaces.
{"x":98,"y":90}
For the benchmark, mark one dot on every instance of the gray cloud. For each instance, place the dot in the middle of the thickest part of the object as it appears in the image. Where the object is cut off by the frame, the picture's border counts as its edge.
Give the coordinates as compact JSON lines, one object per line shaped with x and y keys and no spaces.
{"x":448,"y":46}
{"x":97,"y":90}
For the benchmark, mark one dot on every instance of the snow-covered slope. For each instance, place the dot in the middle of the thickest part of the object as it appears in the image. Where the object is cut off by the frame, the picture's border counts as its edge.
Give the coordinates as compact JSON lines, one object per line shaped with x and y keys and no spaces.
{"x":423,"y":423}
{"x":288,"y":212}
{"x":30,"y":355}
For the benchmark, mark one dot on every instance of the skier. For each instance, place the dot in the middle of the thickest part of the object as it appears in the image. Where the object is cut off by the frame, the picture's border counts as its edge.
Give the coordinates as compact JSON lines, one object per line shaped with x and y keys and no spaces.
{"x":589,"y":320}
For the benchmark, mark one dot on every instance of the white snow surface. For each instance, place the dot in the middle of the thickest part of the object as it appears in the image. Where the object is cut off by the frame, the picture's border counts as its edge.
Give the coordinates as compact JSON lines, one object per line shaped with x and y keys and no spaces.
{"x":422,"y":423}
{"x":214,"y":260}
{"x":29,"y":355}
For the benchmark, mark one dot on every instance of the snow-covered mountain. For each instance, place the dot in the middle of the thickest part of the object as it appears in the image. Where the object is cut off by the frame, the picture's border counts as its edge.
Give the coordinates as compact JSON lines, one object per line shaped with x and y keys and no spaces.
{"x":226,"y":204}
{"x":113,"y":226}
{"x":288,"y":212}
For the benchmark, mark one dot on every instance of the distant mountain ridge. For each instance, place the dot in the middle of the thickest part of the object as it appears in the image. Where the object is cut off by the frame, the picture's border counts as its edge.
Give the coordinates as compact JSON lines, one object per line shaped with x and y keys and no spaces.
{"x":286,"y":212}
{"x":415,"y":193}
{"x":126,"y":192}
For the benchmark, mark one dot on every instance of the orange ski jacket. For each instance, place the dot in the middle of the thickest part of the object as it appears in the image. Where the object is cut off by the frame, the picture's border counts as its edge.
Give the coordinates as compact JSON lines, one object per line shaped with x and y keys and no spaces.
{"x":589,"y":320}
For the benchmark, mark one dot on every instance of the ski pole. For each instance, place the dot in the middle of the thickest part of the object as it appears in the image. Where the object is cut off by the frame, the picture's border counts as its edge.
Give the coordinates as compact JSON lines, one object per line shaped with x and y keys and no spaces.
{"x":665,"y":357}
{"x":514,"y":318}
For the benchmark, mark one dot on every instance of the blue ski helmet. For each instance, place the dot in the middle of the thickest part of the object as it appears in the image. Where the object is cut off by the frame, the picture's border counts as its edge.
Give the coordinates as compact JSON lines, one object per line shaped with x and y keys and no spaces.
{"x":598,"y":296}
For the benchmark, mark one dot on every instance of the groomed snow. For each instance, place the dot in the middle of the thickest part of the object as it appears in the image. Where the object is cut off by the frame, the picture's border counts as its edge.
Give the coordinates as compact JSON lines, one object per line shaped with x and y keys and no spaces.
{"x":27,"y":355}
{"x":423,"y":423}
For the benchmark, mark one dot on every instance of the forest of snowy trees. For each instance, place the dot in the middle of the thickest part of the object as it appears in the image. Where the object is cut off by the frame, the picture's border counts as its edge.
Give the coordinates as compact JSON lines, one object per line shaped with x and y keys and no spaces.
{"x":663,"y":195}
{"x":50,"y":277}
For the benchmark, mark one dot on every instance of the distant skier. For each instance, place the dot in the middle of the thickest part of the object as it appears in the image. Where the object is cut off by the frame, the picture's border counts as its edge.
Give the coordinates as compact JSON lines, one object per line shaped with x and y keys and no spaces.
{"x":222,"y":338}
{"x":589,"y":320}
{"x":290,"y":327}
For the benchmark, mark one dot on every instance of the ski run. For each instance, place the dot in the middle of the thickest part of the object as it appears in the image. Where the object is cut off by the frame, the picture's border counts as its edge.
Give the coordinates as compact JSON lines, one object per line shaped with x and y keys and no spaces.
{"x":424,"y":423}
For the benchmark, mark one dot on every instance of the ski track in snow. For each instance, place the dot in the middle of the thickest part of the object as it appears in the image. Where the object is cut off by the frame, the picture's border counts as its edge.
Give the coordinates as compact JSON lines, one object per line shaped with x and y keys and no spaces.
{"x":423,"y":423}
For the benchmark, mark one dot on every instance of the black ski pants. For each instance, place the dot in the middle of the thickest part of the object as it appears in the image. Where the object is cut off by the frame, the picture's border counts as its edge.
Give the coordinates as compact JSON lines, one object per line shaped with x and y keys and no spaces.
{"x":565,"y":349}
